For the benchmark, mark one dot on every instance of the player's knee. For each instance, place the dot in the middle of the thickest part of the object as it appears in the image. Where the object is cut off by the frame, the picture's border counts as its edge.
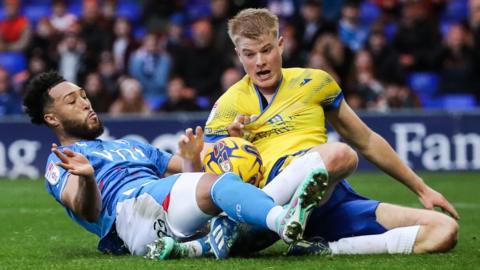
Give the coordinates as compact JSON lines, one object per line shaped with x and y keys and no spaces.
{"x":203,"y":193}
{"x":344,"y":160}
{"x":448,"y":234}
{"x":445,"y":233}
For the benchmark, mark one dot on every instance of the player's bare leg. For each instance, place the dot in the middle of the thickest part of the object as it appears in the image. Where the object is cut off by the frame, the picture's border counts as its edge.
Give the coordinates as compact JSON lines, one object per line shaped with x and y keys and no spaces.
{"x":410,"y":230}
{"x":437,"y":233}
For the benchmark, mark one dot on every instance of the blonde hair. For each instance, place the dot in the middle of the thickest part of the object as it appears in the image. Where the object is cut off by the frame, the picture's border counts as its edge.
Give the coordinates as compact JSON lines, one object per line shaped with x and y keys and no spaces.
{"x":252,"y":23}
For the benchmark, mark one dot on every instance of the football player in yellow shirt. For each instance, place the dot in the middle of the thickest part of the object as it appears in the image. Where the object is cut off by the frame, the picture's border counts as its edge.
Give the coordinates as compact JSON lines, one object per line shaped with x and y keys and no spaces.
{"x":283,"y":112}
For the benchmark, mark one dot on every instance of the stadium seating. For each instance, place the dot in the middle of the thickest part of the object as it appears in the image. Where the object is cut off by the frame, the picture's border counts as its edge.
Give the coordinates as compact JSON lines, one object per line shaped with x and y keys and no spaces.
{"x":35,"y":12}
{"x":455,"y":11}
{"x":369,"y":12}
{"x":390,"y":30}
{"x":13,"y":62}
{"x":75,"y":8}
{"x":130,"y":10}
{"x":458,"y":102}
{"x":445,"y":27}
{"x":203,"y":102}
{"x":139,"y":32}
{"x":37,"y":2}
{"x":425,"y":86}
{"x":424,"y":82}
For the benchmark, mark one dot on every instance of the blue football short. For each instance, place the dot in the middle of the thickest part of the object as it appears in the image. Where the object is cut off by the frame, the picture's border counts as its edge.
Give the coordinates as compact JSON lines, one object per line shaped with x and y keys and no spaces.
{"x":345,"y":214}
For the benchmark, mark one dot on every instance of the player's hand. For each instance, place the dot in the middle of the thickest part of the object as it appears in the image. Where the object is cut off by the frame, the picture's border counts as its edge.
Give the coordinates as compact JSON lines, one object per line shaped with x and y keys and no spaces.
{"x":190,"y":145}
{"x":235,"y":129}
{"x":74,"y":162}
{"x":431,"y":198}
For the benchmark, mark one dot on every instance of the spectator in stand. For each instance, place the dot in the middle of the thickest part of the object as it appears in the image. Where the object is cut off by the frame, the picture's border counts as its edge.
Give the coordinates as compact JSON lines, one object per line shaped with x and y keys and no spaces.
{"x":390,"y":10}
{"x":311,"y":24}
{"x":71,"y":52}
{"x":220,"y":12}
{"x":385,"y":58}
{"x":284,"y":9}
{"x":108,"y":15}
{"x":176,"y":35}
{"x":292,"y":56}
{"x":334,"y":8}
{"x":10,"y":102}
{"x":400,"y":97}
{"x":474,"y":21}
{"x":61,"y":20}
{"x":108,"y":73}
{"x":355,"y":101}
{"x":94,"y":30}
{"x":36,"y":65}
{"x":155,"y":13}
{"x":130,"y":99}
{"x":44,"y":42}
{"x":151,"y":65}
{"x":230,"y":77}
{"x":123,"y":44}
{"x":317,"y":60}
{"x":457,"y":62}
{"x":180,"y":97}
{"x":97,"y":94}
{"x":338,"y":56}
{"x":15,"y":30}
{"x":350,"y":31}
{"x":362,"y":80}
{"x":199,"y":63}
{"x":417,"y":38}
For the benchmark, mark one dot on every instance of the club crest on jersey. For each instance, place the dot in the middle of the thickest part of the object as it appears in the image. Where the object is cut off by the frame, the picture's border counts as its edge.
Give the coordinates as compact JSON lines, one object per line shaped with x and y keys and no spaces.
{"x":53,"y":173}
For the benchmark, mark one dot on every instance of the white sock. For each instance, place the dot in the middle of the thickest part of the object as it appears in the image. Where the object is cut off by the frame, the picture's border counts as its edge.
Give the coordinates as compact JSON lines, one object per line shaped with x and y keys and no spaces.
{"x":395,"y":241}
{"x":195,"y":249}
{"x":282,"y":187}
{"x":272,"y":217}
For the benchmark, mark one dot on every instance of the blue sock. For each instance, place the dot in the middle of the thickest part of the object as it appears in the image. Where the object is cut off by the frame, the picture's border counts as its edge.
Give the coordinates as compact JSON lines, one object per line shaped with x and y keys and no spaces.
{"x":241,"y":201}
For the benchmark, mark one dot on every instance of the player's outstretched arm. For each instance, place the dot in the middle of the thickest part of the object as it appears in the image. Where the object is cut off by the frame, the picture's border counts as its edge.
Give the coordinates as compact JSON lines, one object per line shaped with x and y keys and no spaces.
{"x":81,"y":193}
{"x":377,"y":150}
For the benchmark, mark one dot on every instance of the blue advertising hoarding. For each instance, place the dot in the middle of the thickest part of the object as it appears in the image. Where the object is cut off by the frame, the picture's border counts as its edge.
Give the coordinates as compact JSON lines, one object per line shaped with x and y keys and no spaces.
{"x":426,"y":141}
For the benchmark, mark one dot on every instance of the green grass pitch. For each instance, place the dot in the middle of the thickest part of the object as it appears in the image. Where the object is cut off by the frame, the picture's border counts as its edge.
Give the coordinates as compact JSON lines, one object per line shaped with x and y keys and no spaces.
{"x":35,"y":233}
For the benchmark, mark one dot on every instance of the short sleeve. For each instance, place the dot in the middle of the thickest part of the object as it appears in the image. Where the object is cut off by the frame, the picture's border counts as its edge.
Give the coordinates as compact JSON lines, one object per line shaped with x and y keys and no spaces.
{"x":331,"y":92}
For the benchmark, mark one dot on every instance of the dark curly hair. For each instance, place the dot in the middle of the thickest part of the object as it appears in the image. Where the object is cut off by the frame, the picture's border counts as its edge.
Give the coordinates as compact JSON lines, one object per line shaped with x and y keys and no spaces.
{"x":36,"y":96}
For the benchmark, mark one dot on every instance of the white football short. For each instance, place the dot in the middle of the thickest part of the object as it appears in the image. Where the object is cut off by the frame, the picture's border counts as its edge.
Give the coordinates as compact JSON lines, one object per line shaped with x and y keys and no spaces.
{"x":141,"y":220}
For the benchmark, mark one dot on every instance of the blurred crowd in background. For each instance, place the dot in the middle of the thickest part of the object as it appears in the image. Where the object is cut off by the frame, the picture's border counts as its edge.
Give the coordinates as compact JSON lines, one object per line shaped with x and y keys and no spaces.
{"x":160,"y":56}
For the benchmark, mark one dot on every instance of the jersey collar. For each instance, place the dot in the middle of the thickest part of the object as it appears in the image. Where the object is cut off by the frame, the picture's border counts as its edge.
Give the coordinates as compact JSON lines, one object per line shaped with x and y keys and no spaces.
{"x":259,"y":95}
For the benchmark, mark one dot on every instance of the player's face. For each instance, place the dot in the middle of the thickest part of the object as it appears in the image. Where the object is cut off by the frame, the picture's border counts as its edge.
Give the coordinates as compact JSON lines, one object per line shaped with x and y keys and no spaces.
{"x":262,"y":60}
{"x":72,"y":112}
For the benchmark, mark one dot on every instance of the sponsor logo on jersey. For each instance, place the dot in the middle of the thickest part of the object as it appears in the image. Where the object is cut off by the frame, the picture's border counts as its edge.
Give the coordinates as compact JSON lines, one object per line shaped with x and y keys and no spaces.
{"x":266,"y":134}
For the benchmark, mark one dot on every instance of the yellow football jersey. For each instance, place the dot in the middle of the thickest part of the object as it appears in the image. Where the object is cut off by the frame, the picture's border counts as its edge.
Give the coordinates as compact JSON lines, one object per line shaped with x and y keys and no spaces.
{"x":293,"y":121}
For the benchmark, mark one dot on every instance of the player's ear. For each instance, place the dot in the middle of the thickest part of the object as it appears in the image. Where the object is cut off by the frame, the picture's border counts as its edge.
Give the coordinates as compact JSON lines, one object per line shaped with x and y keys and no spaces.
{"x":237,"y":51}
{"x":281,"y":42}
{"x":51,"y":120}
